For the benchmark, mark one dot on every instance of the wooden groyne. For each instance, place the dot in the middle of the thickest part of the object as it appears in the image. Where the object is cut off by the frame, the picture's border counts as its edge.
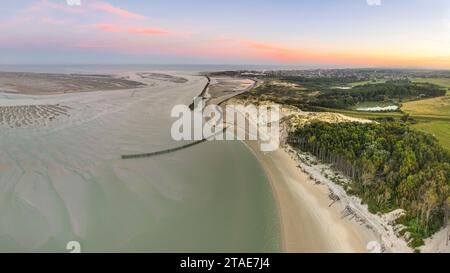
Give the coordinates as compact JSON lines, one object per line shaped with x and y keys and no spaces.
{"x":171,"y":150}
{"x":202,"y":94}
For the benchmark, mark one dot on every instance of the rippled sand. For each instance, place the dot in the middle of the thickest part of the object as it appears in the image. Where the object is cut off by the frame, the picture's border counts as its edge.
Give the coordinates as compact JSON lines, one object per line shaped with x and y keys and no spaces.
{"x":31,"y":115}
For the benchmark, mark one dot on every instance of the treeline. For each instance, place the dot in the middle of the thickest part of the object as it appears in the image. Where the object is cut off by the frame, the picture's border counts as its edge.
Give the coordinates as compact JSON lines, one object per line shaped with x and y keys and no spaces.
{"x":391,"y":166}
{"x":391,"y":90}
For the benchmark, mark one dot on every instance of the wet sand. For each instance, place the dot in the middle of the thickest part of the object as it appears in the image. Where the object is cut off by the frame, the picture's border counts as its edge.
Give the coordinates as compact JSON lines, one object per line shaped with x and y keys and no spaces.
{"x":162,"y":77}
{"x":49,"y":83}
{"x":224,"y":88}
{"x":31,"y":115}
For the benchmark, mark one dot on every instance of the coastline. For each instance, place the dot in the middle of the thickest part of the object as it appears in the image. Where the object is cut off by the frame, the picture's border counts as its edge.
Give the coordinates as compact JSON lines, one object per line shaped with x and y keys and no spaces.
{"x":315,"y":213}
{"x":308,"y":222}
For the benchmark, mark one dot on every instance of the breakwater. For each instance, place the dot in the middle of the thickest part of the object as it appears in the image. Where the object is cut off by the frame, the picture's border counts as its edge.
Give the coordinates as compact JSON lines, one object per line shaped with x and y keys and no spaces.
{"x":202,"y":94}
{"x":166,"y":151}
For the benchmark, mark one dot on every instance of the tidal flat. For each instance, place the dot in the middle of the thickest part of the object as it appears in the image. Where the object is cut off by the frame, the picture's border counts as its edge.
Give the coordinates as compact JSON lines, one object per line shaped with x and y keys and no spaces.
{"x":62,"y":178}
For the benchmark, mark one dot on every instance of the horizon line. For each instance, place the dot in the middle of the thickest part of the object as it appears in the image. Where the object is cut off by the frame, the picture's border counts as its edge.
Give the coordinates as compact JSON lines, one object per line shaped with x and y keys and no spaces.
{"x":306,"y":67}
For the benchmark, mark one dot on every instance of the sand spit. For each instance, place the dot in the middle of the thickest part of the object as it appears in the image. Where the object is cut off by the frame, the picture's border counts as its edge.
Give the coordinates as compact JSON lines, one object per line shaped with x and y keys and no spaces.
{"x":218,"y":90}
{"x":48,"y":84}
{"x":224,"y":88}
{"x":162,"y":77}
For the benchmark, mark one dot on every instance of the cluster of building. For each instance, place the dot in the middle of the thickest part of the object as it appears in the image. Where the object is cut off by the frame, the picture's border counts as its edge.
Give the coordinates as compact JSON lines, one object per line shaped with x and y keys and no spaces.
{"x":359,"y":74}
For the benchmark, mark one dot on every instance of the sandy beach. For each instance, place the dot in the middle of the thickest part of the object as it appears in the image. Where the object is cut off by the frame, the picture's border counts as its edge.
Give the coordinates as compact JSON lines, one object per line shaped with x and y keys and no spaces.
{"x":308,"y":223}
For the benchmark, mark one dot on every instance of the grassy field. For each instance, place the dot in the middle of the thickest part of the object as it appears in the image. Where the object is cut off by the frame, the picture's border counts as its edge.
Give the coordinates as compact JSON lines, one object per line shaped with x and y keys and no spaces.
{"x":444,"y":82}
{"x":440,"y":129}
{"x":437,"y":110}
{"x":436,"y":107}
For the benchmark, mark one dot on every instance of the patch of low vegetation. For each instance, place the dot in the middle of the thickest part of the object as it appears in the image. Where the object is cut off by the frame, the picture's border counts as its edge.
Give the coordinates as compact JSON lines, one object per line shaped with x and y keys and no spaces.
{"x":444,"y":82}
{"x":391,"y":91}
{"x":294,"y":95}
{"x":374,"y":81}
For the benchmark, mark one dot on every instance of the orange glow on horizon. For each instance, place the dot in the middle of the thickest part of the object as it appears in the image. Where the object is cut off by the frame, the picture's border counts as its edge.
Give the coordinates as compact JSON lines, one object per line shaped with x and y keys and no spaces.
{"x":289,"y":55}
{"x":98,"y":25}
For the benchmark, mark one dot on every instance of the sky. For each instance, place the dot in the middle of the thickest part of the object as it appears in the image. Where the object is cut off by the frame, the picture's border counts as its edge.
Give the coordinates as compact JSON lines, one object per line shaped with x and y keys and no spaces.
{"x":345,"y":33}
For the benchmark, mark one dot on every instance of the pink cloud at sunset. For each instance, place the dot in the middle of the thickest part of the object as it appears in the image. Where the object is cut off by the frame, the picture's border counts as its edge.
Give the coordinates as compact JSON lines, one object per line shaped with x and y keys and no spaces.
{"x":51,"y":21}
{"x":106,"y":7}
{"x":135,"y":30}
{"x":148,"y":28}
{"x":92,"y":6}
